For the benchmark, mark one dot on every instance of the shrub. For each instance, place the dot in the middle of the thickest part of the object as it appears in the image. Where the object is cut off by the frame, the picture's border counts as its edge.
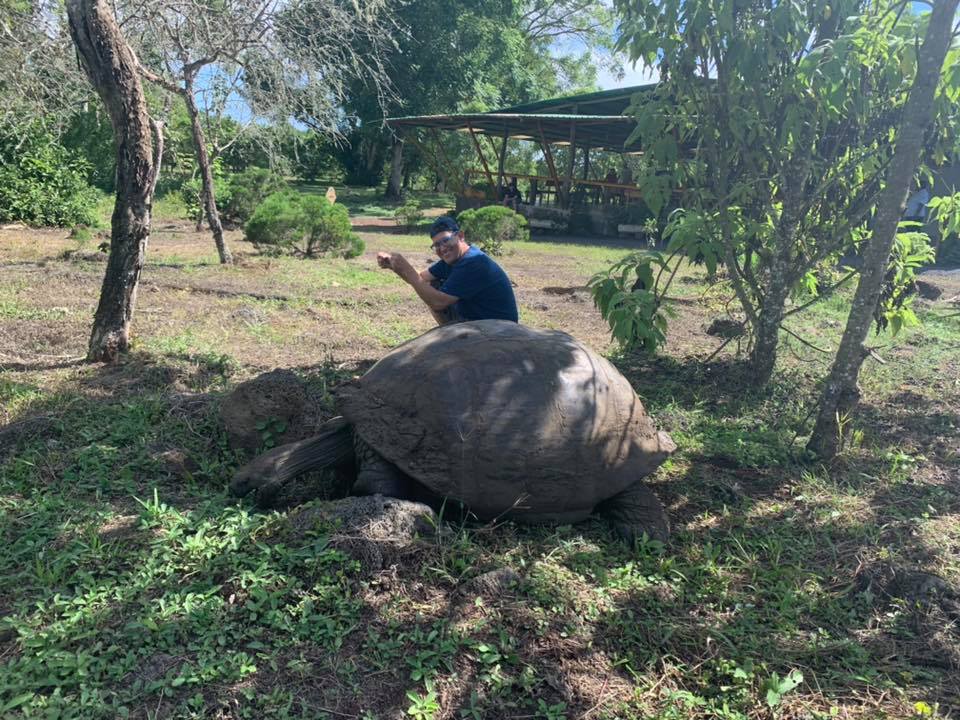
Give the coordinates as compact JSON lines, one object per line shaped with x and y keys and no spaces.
{"x":490,"y":227}
{"x":42,"y":182}
{"x":408,"y":215}
{"x":246,"y":191}
{"x":192,"y":193}
{"x":81,"y":235}
{"x":292,"y":223}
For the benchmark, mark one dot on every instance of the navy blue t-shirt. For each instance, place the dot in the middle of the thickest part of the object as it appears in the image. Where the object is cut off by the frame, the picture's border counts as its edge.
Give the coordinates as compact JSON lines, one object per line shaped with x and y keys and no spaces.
{"x":483,"y":288}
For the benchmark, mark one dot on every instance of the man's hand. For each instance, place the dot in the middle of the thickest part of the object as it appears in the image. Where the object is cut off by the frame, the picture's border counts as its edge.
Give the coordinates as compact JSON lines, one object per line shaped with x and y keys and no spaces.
{"x":400,"y":265}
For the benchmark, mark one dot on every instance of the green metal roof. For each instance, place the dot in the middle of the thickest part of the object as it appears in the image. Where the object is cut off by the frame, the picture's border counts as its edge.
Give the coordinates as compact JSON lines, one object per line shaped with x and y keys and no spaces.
{"x":604,"y":102}
{"x":594,"y":120}
{"x":596,"y":131}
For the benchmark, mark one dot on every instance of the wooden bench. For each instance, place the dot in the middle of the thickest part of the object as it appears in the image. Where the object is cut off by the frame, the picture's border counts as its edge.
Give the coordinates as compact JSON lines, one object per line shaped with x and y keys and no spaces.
{"x":542,"y":224}
{"x":635,"y":230}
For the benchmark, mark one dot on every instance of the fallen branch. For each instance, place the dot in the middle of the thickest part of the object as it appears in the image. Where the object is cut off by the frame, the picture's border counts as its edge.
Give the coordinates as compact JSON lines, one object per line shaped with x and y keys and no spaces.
{"x":805,"y":342}
{"x":220,"y":292}
{"x":717,"y":351}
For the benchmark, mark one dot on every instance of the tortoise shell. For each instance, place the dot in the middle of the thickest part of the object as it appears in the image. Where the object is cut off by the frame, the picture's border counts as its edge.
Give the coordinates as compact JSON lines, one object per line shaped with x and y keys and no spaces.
{"x":510,"y":420}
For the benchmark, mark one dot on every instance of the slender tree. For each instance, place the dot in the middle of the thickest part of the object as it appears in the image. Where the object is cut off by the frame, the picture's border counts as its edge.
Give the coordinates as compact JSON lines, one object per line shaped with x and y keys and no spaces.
{"x":113,"y":71}
{"x":260,"y":49}
{"x":840,"y":393}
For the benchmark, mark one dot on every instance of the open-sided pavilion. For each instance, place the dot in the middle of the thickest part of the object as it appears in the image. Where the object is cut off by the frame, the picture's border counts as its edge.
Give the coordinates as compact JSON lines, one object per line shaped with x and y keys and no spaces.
{"x":583,"y":123}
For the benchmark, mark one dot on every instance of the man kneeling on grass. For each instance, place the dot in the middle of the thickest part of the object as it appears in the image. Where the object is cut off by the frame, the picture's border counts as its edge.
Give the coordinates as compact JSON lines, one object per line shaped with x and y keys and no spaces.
{"x":464,"y":284}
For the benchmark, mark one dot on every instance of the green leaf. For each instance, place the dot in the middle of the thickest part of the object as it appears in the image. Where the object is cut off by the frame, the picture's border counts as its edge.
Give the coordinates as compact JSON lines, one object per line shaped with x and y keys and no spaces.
{"x":16,"y":702}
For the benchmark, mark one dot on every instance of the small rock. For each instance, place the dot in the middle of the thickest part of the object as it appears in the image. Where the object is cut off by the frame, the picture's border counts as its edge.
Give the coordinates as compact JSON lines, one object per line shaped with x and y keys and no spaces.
{"x":178,"y":463}
{"x":888,"y":582}
{"x":249,"y":314}
{"x":490,"y":584}
{"x":373,"y":529}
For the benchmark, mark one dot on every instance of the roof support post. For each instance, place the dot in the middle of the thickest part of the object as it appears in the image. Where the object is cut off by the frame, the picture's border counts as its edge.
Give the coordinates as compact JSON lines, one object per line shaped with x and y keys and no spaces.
{"x":503,"y":156}
{"x":430,"y":157}
{"x":586,"y":162}
{"x":446,"y":164}
{"x":549,"y":157}
{"x":568,"y":179}
{"x":476,"y":144}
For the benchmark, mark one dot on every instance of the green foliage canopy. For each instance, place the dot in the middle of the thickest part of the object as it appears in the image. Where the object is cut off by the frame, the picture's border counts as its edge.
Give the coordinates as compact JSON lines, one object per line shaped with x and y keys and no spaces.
{"x":471,"y":55}
{"x":41,"y":181}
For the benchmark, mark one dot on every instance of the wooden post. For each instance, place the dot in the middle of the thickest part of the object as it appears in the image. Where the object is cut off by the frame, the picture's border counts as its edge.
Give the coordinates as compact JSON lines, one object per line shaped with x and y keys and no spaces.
{"x":503,"y":156}
{"x":549,"y":157}
{"x":431,"y":158}
{"x":476,"y":144}
{"x":446,"y":161}
{"x":568,"y":180}
{"x":586,"y":162}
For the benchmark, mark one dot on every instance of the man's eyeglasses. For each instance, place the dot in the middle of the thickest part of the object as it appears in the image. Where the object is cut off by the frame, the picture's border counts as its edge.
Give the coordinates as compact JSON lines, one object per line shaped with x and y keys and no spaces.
{"x":442,"y":241}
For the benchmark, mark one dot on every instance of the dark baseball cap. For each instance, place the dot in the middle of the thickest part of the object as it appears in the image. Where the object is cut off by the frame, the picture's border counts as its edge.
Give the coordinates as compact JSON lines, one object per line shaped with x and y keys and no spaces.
{"x":444,"y":223}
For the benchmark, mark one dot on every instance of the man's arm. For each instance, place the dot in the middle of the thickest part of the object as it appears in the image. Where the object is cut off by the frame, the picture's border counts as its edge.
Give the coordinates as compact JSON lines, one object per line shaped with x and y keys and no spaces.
{"x":419,"y":281}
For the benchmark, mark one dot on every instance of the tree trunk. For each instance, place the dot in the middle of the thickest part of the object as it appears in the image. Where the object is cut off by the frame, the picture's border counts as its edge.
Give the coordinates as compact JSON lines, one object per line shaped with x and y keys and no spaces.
{"x":840,"y":393}
{"x":394,"y":189}
{"x":112,"y":69}
{"x":209,"y":198}
{"x":766,"y":332}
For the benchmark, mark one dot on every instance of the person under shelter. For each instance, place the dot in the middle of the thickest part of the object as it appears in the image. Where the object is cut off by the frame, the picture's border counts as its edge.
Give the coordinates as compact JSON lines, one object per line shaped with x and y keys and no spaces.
{"x":464,"y":284}
{"x":511,"y":195}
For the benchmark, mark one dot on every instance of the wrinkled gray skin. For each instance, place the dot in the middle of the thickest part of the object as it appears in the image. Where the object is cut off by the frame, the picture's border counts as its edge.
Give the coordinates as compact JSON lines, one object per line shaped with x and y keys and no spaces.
{"x":506,"y":420}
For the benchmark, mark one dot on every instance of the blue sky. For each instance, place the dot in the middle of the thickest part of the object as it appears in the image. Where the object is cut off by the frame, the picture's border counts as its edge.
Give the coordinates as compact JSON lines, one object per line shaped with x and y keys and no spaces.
{"x":634,"y":76}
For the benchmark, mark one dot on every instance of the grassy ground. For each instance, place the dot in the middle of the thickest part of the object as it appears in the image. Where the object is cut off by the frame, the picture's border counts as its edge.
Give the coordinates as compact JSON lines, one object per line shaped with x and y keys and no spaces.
{"x":133,"y":586}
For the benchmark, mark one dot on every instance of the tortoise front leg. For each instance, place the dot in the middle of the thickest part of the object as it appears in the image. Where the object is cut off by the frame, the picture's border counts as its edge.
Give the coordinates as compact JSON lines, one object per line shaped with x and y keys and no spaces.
{"x":377,"y":475}
{"x":267,"y":474}
{"x":634,"y":512}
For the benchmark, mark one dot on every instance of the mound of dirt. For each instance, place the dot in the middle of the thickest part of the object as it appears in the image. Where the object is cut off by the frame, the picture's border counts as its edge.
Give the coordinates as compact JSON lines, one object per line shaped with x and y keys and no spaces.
{"x":726,"y":328}
{"x":375,"y":530}
{"x":928,"y":291}
{"x":270,"y":407}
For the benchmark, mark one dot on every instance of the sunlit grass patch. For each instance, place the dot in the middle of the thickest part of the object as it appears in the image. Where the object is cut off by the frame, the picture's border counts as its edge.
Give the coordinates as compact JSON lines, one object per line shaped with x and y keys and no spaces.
{"x":15,"y":394}
{"x":306,"y":277}
{"x":169,"y":206}
{"x":15,"y":304}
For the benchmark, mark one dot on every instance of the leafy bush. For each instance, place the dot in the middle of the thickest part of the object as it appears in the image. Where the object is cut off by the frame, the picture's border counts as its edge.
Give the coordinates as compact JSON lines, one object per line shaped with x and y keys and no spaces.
{"x":246,"y":190}
{"x":292,"y":223}
{"x":237,"y":194}
{"x":945,"y":211}
{"x":192,"y":193}
{"x":89,"y":133}
{"x":42,"y":182}
{"x":408,"y":215}
{"x":627,"y":298}
{"x":490,"y":227}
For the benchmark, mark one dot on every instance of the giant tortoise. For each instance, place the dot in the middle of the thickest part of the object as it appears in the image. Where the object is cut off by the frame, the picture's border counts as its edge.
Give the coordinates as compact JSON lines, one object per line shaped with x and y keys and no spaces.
{"x":509,"y":421}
